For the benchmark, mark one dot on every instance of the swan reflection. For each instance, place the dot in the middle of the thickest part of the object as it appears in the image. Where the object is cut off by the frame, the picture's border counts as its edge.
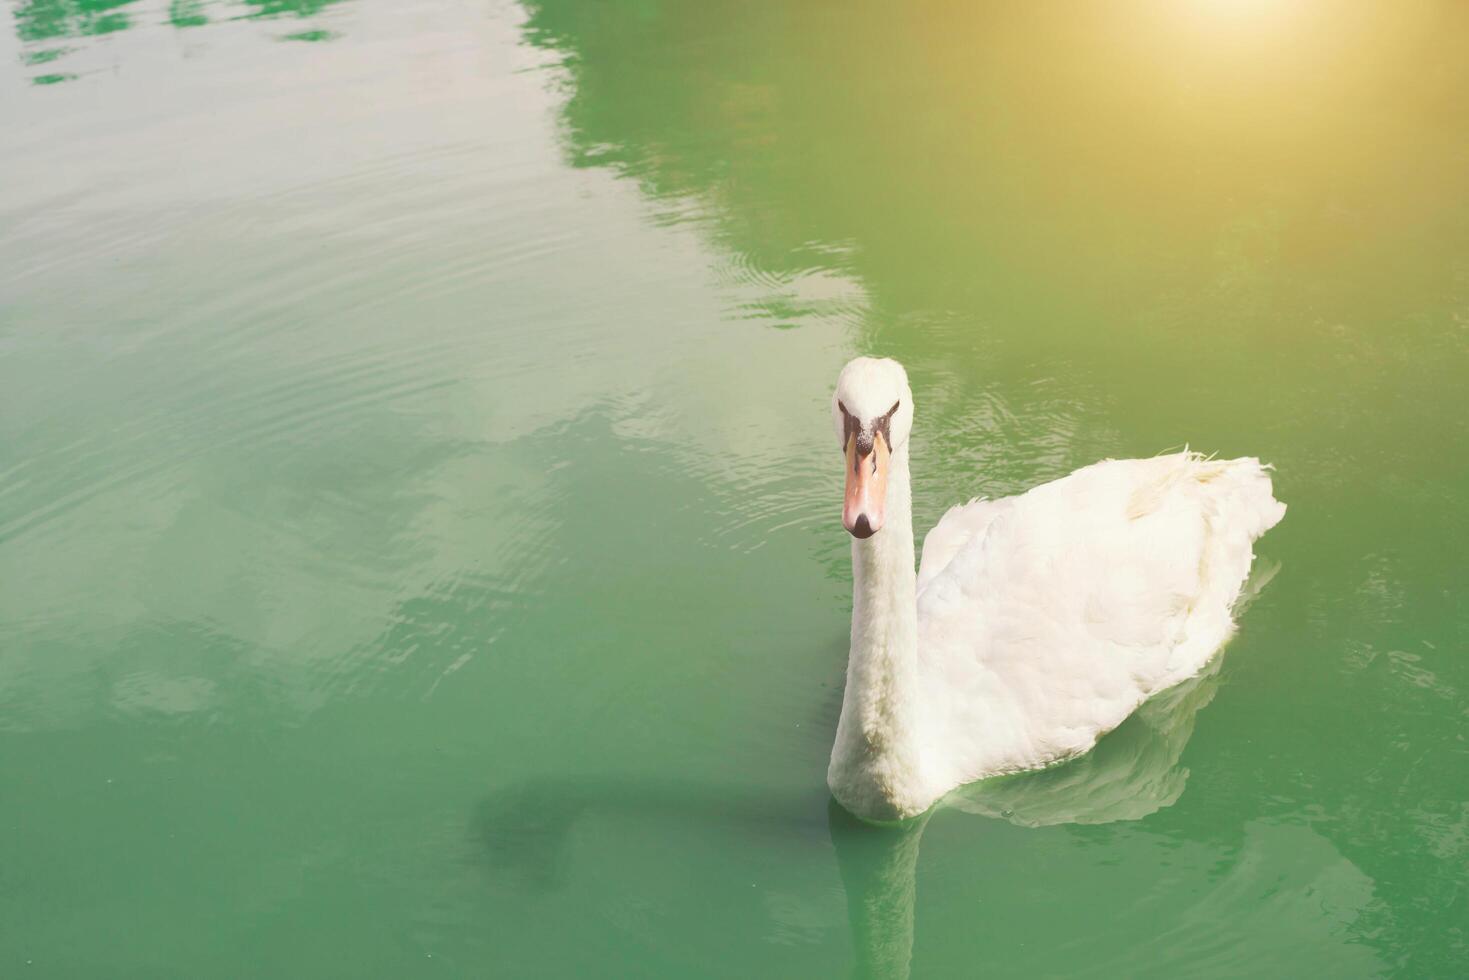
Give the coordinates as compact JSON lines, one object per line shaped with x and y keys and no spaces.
{"x":526,"y":829}
{"x":1132,"y":772}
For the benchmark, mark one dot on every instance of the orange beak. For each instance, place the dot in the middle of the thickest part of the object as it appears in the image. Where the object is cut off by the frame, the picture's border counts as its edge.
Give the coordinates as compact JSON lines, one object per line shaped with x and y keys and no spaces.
{"x":867,"y":487}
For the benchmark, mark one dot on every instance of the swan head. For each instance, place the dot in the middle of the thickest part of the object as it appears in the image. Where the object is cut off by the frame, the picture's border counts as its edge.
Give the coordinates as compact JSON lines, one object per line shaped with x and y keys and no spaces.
{"x":872,"y":413}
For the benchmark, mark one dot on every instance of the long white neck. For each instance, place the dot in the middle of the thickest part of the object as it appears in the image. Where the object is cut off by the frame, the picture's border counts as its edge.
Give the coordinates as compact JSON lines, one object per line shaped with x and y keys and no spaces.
{"x":876,"y":764}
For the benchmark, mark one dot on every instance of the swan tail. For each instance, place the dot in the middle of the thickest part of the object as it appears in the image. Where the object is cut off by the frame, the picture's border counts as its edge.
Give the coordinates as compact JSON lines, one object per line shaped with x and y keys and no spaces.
{"x":1237,"y":505}
{"x":1236,"y":492}
{"x":1240,"y":491}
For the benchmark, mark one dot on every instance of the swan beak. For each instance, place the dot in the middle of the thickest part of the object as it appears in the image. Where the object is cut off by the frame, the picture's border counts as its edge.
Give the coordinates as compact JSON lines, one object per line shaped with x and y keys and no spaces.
{"x":867,"y":485}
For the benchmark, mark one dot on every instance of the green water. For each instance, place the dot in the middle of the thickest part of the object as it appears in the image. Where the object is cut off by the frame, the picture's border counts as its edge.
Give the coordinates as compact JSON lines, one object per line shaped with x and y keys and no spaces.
{"x":419,"y":520}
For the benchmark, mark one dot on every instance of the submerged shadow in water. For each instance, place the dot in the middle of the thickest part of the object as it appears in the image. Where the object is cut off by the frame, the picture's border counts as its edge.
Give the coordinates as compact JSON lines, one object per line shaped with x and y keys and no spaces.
{"x":524,"y":827}
{"x":1132,"y":772}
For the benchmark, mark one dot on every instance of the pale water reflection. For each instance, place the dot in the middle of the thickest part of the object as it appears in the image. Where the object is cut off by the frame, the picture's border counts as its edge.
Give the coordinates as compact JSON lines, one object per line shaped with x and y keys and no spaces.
{"x":65,"y":40}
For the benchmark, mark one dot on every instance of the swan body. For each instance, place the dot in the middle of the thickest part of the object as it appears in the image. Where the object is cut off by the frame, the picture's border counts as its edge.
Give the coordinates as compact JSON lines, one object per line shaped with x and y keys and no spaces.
{"x":1034,"y":624}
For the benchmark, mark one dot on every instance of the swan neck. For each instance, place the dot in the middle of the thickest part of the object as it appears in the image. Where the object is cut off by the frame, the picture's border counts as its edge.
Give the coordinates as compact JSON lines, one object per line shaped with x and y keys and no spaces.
{"x":876,"y":763}
{"x":885,"y":582}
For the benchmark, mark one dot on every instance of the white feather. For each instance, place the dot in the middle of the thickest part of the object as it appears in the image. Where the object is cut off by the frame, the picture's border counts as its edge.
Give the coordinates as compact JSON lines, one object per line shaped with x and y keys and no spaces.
{"x":1037,"y":623}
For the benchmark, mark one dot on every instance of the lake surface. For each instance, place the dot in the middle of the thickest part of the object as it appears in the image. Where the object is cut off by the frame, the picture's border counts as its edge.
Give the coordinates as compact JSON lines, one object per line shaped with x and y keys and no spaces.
{"x":419,"y":517}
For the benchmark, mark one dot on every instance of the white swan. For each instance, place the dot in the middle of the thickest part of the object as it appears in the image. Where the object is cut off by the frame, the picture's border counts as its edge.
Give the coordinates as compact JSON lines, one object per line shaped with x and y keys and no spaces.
{"x":1034,"y":624}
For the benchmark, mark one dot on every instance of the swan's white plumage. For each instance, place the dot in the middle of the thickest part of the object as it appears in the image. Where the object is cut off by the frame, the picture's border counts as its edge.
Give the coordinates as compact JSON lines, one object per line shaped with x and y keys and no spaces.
{"x":958,"y":525}
{"x":1041,"y":622}
{"x":1069,"y":605}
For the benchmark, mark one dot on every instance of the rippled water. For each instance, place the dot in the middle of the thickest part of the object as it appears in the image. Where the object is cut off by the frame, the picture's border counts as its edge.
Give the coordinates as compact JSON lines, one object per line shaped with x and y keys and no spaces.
{"x":418,"y":514}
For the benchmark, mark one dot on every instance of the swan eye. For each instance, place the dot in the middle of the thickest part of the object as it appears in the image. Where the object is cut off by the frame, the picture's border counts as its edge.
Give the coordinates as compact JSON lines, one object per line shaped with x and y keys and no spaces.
{"x":884,"y":424}
{"x":850,"y":425}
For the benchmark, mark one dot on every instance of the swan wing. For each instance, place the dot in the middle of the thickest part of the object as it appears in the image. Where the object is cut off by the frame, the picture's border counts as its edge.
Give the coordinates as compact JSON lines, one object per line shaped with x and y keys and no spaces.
{"x":1080,"y":599}
{"x":957,"y":527}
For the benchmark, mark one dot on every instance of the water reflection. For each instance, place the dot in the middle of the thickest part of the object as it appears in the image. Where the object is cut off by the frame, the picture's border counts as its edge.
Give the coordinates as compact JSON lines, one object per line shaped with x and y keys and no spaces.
{"x":40,"y":24}
{"x":187,"y":13}
{"x":966,"y":156}
{"x":41,"y":20}
{"x":1133,"y":772}
{"x":281,"y":8}
{"x":1100,"y":197}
